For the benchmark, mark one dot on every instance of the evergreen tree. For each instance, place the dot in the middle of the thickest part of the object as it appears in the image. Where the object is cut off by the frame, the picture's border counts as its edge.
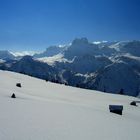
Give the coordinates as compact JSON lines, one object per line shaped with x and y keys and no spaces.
{"x":121,"y":92}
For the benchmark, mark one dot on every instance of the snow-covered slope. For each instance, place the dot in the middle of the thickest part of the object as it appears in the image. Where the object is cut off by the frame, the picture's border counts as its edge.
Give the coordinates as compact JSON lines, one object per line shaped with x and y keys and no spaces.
{"x":47,"y":111}
{"x":123,"y":47}
{"x":2,"y":61}
{"x":53,"y":59}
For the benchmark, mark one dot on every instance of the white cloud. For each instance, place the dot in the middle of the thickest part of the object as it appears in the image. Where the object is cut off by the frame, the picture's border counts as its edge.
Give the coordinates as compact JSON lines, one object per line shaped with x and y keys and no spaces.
{"x":98,"y":42}
{"x":61,"y":46}
{"x":23,"y":53}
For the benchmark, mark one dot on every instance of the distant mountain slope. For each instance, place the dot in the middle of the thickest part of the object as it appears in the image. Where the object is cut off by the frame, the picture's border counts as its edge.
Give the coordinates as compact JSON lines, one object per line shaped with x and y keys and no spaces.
{"x":28,"y":65}
{"x":50,"y":51}
{"x":115,"y":77}
{"x":80,"y":47}
{"x":132,"y":47}
{"x":86,"y":64}
{"x":6,"y":55}
{"x":127,"y":47}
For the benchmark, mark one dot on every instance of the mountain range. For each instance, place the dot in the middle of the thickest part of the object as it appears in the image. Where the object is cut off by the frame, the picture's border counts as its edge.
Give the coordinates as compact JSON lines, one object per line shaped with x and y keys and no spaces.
{"x":105,"y":66}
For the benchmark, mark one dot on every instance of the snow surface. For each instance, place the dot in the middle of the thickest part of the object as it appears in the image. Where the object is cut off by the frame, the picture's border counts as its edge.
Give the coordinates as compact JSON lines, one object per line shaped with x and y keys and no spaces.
{"x":48,"y":111}
{"x":117,"y":46}
{"x":2,"y":61}
{"x":52,"y":59}
{"x":23,"y":53}
{"x":132,"y":57}
{"x":99,"y":42}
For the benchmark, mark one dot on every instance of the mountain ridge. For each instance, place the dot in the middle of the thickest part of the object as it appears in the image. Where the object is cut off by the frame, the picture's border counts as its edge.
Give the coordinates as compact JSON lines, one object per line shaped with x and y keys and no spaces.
{"x":74,"y":64}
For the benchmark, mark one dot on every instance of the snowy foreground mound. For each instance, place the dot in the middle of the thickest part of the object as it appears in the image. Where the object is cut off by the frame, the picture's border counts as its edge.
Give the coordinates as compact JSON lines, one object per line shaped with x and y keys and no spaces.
{"x":48,"y":111}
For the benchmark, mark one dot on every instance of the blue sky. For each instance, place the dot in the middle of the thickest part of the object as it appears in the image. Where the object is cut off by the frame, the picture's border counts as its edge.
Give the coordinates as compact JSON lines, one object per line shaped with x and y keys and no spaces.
{"x":36,"y":24}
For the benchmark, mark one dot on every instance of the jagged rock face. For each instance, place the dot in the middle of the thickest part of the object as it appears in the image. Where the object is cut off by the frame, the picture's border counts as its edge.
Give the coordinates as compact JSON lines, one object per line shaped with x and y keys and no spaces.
{"x":80,"y":47}
{"x":51,"y":51}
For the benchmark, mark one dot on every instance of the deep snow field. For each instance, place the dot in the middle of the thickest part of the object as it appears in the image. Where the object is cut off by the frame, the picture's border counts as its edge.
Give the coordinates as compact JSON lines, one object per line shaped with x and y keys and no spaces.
{"x":48,"y":111}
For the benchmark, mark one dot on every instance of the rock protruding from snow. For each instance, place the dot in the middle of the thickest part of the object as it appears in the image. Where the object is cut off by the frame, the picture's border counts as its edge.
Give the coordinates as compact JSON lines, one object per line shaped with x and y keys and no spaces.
{"x":13,"y":96}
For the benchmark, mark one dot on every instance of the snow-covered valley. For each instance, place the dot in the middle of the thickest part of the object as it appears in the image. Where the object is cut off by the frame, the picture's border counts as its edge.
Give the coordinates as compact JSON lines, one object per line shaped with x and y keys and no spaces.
{"x":49,"y":111}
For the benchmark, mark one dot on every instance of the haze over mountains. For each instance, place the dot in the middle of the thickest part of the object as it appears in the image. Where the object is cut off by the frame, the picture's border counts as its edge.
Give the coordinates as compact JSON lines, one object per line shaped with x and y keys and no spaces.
{"x":105,"y":66}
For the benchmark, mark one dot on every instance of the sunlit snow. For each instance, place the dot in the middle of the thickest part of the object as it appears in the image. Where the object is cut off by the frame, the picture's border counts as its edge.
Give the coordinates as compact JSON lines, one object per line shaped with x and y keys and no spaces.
{"x":48,"y":111}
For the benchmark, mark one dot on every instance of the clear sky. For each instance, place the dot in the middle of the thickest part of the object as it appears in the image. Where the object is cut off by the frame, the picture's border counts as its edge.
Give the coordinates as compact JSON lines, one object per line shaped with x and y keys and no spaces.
{"x":36,"y":24}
